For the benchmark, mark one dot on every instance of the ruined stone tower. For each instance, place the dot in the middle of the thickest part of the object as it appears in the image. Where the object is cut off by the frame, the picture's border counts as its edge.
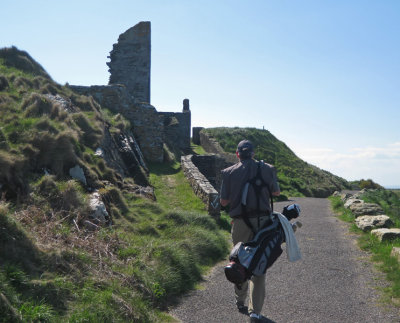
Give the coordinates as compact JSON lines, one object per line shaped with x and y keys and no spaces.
{"x":131,"y":60}
{"x":128,"y":93}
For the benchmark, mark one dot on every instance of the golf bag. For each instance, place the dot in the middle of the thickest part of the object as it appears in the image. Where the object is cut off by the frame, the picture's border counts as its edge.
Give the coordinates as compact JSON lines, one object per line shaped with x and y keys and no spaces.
{"x":257,"y":255}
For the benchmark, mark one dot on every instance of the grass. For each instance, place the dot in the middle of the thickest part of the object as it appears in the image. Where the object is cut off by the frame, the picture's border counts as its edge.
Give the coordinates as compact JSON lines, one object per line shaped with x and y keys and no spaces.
{"x":296,"y":177}
{"x":52,"y":267}
{"x":171,"y":188}
{"x":388,"y":200}
{"x":197,"y":149}
{"x":130,"y":272}
{"x":381,"y":251}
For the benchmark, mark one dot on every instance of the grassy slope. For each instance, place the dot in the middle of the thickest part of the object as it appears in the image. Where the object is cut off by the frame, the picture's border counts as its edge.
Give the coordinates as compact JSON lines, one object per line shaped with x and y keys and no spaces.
{"x":53,"y":269}
{"x":296,"y":177}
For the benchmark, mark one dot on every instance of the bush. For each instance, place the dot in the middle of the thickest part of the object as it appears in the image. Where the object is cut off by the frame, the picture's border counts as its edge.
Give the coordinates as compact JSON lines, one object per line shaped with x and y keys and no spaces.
{"x":92,"y":134}
{"x":36,"y":105}
{"x":3,"y":83}
{"x":369,"y":184}
{"x":55,"y":152}
{"x":23,"y":82}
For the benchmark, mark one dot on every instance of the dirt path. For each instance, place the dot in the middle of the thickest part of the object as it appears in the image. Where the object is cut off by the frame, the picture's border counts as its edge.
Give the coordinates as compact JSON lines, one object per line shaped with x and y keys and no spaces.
{"x":334,"y":282}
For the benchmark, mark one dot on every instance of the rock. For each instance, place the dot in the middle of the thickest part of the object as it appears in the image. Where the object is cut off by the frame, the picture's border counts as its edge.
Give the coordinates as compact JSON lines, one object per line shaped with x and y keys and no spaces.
{"x":99,"y":212}
{"x":345,"y":196}
{"x":99,"y":152}
{"x":368,"y":222}
{"x":396,"y":253}
{"x":64,"y":103}
{"x":386,"y":234}
{"x":77,"y":173}
{"x":351,"y":200}
{"x":359,"y":209}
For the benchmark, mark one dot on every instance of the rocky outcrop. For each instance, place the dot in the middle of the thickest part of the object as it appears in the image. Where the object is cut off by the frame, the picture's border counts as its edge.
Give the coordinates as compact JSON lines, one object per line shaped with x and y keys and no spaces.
{"x":201,"y":186}
{"x":369,"y":216}
{"x":386,"y":234}
{"x":122,"y":153}
{"x":147,"y":125}
{"x":358,"y":206}
{"x":369,"y":222}
{"x":359,"y":209}
{"x":99,"y":214}
{"x":78,"y":174}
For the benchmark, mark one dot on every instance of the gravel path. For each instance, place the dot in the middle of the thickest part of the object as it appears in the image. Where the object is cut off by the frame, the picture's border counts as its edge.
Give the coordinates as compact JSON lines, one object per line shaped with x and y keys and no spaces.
{"x":334,"y":282}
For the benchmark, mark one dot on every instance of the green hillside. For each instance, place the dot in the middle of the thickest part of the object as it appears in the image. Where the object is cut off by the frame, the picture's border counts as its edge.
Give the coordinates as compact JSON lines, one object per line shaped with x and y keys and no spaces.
{"x":54,"y":267}
{"x":296,"y":177}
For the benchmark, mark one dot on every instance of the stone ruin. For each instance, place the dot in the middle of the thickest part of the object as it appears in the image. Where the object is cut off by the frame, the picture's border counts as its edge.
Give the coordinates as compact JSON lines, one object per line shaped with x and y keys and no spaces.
{"x":204,"y":171}
{"x":128,"y":93}
{"x":131,"y":60}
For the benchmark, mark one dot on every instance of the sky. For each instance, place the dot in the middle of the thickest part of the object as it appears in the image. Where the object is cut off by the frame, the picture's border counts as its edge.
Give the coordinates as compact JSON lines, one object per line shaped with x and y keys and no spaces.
{"x":321,"y":76}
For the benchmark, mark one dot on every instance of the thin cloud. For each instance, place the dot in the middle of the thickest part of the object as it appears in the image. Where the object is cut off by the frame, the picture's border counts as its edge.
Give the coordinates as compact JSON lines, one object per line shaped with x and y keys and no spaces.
{"x":382,"y":164}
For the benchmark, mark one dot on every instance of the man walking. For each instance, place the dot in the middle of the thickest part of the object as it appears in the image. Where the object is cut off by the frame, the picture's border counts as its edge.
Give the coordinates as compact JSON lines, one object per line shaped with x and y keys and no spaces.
{"x":246,"y":220}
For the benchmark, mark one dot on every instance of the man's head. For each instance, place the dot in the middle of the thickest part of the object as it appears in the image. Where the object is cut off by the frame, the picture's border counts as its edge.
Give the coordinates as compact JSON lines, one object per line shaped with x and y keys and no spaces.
{"x":245,"y":150}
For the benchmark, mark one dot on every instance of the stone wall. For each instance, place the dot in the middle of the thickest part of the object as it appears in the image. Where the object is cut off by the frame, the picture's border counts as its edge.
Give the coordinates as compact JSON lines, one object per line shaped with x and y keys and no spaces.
{"x":131,"y":61}
{"x":128,"y":93}
{"x":196,"y":135}
{"x":210,"y":145}
{"x":177,"y":128}
{"x":147,"y":125}
{"x":201,"y":186}
{"x":210,"y":166}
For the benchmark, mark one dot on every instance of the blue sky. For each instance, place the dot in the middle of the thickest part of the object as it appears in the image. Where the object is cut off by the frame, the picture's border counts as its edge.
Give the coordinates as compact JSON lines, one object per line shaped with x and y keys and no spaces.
{"x":322,"y":76}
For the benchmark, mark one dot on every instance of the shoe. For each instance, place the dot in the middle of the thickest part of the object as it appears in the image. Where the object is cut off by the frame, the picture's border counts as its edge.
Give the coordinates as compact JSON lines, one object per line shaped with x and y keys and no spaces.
{"x":255,"y":318}
{"x":242,"y":308}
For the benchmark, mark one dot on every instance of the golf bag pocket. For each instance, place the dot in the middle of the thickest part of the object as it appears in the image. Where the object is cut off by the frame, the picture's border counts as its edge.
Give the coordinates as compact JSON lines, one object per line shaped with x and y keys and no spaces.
{"x":256,"y":256}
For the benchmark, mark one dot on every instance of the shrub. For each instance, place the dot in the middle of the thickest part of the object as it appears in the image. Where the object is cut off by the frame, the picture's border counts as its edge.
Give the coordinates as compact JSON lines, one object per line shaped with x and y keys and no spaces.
{"x":44,"y":124}
{"x":114,"y":196}
{"x":13,"y":169}
{"x":3,"y":83}
{"x":48,"y":89}
{"x":23,"y":82}
{"x":369,"y":184}
{"x":36,"y":105}
{"x":38,"y":81}
{"x":56,"y":152}
{"x":91,"y":133}
{"x":47,"y":186}
{"x":86,"y":103}
{"x":72,"y":198}
{"x":3,"y":141}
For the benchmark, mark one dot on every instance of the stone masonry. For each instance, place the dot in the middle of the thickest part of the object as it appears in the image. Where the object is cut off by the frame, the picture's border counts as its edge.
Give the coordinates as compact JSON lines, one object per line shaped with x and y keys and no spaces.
{"x":210,"y":145}
{"x":201,"y":186}
{"x":128,"y":93}
{"x":177,"y":126}
{"x":147,"y":125}
{"x":131,"y":60}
